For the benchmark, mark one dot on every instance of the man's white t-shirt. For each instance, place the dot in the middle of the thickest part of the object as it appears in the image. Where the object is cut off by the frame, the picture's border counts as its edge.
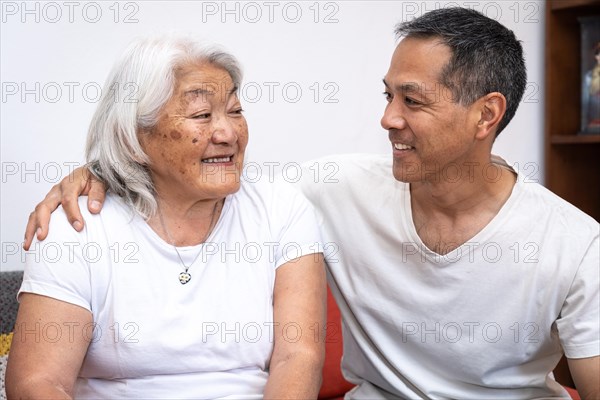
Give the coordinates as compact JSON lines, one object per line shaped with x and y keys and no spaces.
{"x":153,"y":337}
{"x":488,"y":320}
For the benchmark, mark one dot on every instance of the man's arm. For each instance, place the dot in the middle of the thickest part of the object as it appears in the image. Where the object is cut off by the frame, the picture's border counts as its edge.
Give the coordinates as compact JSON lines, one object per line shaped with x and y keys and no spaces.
{"x":299,"y":308}
{"x":586,"y":375}
{"x":79,"y":182}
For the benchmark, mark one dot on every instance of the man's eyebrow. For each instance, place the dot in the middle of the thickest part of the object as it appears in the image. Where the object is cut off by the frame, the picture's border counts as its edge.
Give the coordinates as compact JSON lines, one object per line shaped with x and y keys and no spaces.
{"x":405,"y":87}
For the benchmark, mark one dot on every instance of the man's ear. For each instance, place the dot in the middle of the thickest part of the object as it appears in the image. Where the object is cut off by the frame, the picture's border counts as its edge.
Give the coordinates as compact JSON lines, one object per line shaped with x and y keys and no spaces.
{"x":492,"y":107}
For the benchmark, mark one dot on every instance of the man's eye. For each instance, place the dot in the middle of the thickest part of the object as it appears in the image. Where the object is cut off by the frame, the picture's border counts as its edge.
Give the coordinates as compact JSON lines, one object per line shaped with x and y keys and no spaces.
{"x":388,"y":96}
{"x":411,"y":102}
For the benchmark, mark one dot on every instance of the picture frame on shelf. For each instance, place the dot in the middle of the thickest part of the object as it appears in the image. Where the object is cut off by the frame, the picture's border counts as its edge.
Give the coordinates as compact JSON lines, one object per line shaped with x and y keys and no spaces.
{"x":590,"y":74}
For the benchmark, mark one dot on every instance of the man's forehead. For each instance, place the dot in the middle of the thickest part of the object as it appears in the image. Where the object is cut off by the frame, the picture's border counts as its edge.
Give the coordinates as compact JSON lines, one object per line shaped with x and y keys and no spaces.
{"x":424,"y":53}
{"x":416,"y":62}
{"x":426,"y":43}
{"x":403,"y":86}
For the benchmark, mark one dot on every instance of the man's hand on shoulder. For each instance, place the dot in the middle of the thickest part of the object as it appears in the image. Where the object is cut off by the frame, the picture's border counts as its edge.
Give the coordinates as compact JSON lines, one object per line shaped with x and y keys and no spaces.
{"x":79,"y":183}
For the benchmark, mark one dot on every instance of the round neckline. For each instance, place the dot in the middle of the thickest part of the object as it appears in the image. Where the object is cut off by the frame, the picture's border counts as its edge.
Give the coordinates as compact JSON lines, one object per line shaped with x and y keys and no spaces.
{"x":184,"y":249}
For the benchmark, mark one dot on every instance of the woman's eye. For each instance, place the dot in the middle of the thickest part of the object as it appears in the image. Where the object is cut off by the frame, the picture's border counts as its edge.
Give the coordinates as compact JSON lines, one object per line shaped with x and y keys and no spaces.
{"x":388,"y":96}
{"x":238,"y":111}
{"x":201,"y":116}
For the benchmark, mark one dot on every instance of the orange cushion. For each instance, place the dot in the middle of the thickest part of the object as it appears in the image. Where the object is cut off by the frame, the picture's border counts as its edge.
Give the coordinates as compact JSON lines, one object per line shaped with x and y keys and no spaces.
{"x":334,"y":385}
{"x":573,"y":393}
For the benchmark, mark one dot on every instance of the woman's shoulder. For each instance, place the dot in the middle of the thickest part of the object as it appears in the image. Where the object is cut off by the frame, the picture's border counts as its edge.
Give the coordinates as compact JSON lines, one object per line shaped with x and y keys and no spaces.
{"x":114,"y":211}
{"x":269,"y":201}
{"x":269,"y":193}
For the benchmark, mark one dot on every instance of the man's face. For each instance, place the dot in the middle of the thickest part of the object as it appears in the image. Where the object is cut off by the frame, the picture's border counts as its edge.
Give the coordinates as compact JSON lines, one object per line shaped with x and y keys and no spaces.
{"x":427,"y":129}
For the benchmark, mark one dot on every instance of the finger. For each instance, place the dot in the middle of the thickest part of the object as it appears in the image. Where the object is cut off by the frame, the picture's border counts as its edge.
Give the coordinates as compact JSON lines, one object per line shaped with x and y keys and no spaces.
{"x":96,"y":195}
{"x":29,"y":231}
{"x":70,"y":204}
{"x":41,"y":219}
{"x":71,"y":187}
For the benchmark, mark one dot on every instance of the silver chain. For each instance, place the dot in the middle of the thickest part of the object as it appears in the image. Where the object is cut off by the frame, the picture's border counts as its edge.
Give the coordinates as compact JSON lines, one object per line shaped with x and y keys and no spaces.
{"x":172,"y":242}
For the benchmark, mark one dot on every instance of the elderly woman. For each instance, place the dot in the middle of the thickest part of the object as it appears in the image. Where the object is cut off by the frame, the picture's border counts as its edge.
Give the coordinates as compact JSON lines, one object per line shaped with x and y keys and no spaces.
{"x":191,"y":283}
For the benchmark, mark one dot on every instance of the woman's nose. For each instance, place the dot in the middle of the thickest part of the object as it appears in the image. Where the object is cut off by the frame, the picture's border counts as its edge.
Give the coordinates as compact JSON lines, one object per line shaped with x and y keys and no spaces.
{"x":224,"y":131}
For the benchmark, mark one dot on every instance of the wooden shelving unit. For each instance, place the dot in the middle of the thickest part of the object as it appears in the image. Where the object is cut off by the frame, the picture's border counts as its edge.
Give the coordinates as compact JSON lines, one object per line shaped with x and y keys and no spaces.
{"x":572,"y":160}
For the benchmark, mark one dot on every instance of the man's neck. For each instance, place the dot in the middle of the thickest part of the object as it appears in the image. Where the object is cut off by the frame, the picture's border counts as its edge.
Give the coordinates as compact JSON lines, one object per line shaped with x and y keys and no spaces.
{"x":447,"y":213}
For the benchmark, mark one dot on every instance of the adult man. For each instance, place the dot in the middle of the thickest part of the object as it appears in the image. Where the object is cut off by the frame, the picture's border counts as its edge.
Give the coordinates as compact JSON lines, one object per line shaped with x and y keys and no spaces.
{"x":455,"y":278}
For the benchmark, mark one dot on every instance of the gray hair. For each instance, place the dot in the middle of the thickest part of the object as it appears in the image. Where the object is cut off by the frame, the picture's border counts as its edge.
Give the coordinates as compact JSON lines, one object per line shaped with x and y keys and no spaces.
{"x":137,"y":88}
{"x":486,"y":56}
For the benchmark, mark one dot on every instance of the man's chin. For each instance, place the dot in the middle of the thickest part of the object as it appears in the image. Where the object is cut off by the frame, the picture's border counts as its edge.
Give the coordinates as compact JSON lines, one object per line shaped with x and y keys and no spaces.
{"x":404,"y":174}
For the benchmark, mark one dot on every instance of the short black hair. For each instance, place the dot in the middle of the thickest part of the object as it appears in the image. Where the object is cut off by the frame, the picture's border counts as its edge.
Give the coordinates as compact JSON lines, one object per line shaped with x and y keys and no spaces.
{"x":486,"y":55}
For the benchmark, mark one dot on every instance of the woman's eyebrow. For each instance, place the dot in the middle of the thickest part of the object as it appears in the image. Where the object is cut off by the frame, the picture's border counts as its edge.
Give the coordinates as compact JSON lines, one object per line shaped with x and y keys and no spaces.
{"x":205,"y":91}
{"x":198,"y":91}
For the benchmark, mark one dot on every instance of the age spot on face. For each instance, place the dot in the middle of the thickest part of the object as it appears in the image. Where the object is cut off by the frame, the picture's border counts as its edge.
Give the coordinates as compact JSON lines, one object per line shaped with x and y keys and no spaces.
{"x":175,"y":135}
{"x":195,"y":140}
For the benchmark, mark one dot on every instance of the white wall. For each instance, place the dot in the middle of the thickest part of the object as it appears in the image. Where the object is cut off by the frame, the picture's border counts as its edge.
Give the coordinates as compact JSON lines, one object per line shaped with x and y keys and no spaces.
{"x":55,"y":55}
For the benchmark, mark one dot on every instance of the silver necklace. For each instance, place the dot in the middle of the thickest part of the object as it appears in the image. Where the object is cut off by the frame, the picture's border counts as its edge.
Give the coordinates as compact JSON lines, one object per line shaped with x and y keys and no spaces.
{"x":185,"y":276}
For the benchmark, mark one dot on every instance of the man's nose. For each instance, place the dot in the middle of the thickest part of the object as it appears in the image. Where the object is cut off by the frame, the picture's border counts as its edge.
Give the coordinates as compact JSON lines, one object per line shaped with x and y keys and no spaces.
{"x":393,"y":117}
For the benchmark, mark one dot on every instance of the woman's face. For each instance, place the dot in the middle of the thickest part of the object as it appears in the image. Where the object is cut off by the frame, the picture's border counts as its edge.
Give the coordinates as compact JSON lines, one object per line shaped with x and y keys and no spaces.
{"x":197,"y":148}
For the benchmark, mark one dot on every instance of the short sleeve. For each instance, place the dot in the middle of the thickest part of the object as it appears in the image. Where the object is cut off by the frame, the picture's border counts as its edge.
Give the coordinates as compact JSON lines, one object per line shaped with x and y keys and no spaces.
{"x":579,"y":322}
{"x":314,"y":174}
{"x":298,"y":233}
{"x":57,"y":267}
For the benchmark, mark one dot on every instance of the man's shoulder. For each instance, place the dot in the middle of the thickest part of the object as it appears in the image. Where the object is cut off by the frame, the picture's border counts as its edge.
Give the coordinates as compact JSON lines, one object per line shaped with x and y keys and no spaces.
{"x":353,"y":159}
{"x":555,"y":207}
{"x":347,"y":178}
{"x":349,"y":168}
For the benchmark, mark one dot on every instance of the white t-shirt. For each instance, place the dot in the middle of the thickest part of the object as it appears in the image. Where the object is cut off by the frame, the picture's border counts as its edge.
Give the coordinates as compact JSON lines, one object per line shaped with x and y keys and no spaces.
{"x":153,"y":336}
{"x":488,"y":320}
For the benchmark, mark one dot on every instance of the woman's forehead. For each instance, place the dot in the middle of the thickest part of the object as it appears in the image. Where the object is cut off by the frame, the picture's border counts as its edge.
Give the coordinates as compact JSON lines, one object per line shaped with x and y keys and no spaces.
{"x":204,"y":80}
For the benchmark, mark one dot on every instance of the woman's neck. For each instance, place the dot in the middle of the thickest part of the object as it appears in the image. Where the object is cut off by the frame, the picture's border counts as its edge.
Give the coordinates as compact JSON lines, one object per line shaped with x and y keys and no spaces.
{"x":186,"y":225}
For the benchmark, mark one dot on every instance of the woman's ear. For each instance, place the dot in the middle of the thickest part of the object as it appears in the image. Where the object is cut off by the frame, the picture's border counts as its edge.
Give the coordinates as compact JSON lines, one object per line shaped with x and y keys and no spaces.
{"x":142,"y":135}
{"x":492,"y":108}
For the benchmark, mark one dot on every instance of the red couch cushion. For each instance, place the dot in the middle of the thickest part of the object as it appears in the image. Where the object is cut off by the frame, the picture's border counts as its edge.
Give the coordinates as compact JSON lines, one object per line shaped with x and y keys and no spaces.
{"x":334,"y":385}
{"x":573,"y":393}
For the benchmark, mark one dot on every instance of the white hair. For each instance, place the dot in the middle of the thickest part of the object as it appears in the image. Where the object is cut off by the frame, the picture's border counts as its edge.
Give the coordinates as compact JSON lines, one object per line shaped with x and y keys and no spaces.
{"x":137,"y":88}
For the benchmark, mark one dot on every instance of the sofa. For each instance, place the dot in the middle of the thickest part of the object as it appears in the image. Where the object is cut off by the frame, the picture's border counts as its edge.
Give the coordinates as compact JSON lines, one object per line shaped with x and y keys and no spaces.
{"x":334,"y":385}
{"x":10,"y":281}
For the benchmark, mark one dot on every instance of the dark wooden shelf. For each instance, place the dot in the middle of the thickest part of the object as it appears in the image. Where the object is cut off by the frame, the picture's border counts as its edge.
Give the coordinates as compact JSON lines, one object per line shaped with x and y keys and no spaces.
{"x":571,"y":159}
{"x":566,"y":4}
{"x":571,"y":169}
{"x":575,"y":139}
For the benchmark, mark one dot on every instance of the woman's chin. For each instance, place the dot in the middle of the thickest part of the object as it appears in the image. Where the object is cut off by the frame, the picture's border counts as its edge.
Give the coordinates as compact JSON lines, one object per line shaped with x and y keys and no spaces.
{"x":229,"y":184}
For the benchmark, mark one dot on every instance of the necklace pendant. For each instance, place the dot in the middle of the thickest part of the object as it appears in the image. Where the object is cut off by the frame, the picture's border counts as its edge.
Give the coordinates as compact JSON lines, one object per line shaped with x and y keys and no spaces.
{"x":184,"y":277}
